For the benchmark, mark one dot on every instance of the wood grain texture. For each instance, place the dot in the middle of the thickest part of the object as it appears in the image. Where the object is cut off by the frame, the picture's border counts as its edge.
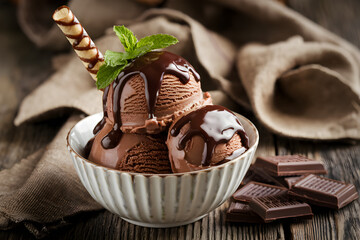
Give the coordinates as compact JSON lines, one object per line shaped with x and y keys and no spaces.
{"x":27,"y":67}
{"x":342,"y":164}
{"x":340,"y":17}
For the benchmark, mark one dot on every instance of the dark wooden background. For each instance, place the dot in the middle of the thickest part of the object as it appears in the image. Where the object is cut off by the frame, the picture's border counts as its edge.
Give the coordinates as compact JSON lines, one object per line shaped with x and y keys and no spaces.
{"x":23,"y":67}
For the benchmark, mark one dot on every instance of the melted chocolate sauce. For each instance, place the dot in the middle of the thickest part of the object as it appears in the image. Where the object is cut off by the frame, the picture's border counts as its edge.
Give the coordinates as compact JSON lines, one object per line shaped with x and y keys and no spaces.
{"x":78,"y":38}
{"x":215,"y":124}
{"x":101,"y":124}
{"x":88,"y":147}
{"x":151,"y":67}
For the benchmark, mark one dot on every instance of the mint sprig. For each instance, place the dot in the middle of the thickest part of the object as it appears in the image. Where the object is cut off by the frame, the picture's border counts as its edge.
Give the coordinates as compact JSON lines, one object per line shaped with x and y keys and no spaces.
{"x":115,"y":62}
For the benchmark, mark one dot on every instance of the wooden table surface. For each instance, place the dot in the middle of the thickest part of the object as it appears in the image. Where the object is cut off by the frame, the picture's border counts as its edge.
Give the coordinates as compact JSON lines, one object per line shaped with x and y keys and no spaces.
{"x":23,"y":67}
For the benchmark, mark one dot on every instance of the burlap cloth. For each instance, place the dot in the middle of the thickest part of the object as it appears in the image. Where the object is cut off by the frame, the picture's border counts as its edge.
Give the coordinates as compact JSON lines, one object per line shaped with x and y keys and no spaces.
{"x":299,"y":79}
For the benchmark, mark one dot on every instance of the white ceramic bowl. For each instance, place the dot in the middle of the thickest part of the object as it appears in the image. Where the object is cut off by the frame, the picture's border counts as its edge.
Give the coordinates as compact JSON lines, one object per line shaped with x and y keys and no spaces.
{"x":158,"y":200}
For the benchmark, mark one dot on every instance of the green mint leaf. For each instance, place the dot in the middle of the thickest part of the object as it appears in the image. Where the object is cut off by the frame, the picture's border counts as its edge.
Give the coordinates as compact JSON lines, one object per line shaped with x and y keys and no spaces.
{"x":120,"y":58}
{"x":115,"y":58}
{"x":107,"y":74}
{"x":127,"y":37}
{"x":158,"y":41}
{"x":139,"y":51}
{"x":115,"y":62}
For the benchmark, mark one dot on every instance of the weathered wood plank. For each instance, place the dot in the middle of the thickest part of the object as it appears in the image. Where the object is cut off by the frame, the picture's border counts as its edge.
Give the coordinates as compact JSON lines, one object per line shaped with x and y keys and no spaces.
{"x":341,"y":160}
{"x":341,"y":163}
{"x":322,"y":225}
{"x":27,"y":67}
{"x":340,"y":17}
{"x":344,"y":165}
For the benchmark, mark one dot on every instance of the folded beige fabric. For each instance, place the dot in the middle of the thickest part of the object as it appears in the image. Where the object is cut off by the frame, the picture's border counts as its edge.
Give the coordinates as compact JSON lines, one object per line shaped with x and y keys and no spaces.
{"x":300,"y":81}
{"x":266,"y":74}
{"x":43,"y":188}
{"x":303,"y":89}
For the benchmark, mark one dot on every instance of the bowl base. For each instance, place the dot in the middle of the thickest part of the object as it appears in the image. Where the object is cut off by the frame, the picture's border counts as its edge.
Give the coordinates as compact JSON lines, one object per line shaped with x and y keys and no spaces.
{"x":163,"y":225}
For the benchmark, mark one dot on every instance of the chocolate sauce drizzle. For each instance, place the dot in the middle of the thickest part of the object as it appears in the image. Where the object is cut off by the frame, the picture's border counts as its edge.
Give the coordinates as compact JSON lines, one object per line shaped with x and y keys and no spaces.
{"x":151,"y":67}
{"x":88,"y":147}
{"x":215,"y":124}
{"x":78,"y":38}
{"x":101,"y":124}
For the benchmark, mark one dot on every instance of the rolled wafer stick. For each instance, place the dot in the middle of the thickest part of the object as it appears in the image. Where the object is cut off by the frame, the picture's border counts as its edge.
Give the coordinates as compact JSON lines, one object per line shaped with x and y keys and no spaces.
{"x":84,"y":47}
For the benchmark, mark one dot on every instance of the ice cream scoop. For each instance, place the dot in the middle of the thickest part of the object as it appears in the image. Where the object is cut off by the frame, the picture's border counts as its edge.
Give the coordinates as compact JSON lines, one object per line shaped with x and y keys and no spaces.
{"x":140,"y":153}
{"x":208,"y":136}
{"x":147,"y":95}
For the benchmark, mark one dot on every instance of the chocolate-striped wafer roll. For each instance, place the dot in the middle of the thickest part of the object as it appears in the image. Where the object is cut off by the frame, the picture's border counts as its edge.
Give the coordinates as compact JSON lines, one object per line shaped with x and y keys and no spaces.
{"x":84,"y":47}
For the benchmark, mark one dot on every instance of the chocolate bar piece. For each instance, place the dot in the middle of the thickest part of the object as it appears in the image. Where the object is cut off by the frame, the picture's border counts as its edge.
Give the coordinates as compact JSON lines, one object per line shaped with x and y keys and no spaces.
{"x":251,"y":176}
{"x":290,"y":165}
{"x":290,"y":181}
{"x":270,"y":208}
{"x":324,"y":192}
{"x":260,"y":175}
{"x":241,"y":212}
{"x":256,"y":189}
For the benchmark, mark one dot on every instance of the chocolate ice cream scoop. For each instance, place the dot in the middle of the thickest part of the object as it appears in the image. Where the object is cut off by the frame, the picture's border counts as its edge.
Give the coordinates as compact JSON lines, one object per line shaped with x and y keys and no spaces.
{"x":139,"y":153}
{"x":208,"y":136}
{"x":148,"y":94}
